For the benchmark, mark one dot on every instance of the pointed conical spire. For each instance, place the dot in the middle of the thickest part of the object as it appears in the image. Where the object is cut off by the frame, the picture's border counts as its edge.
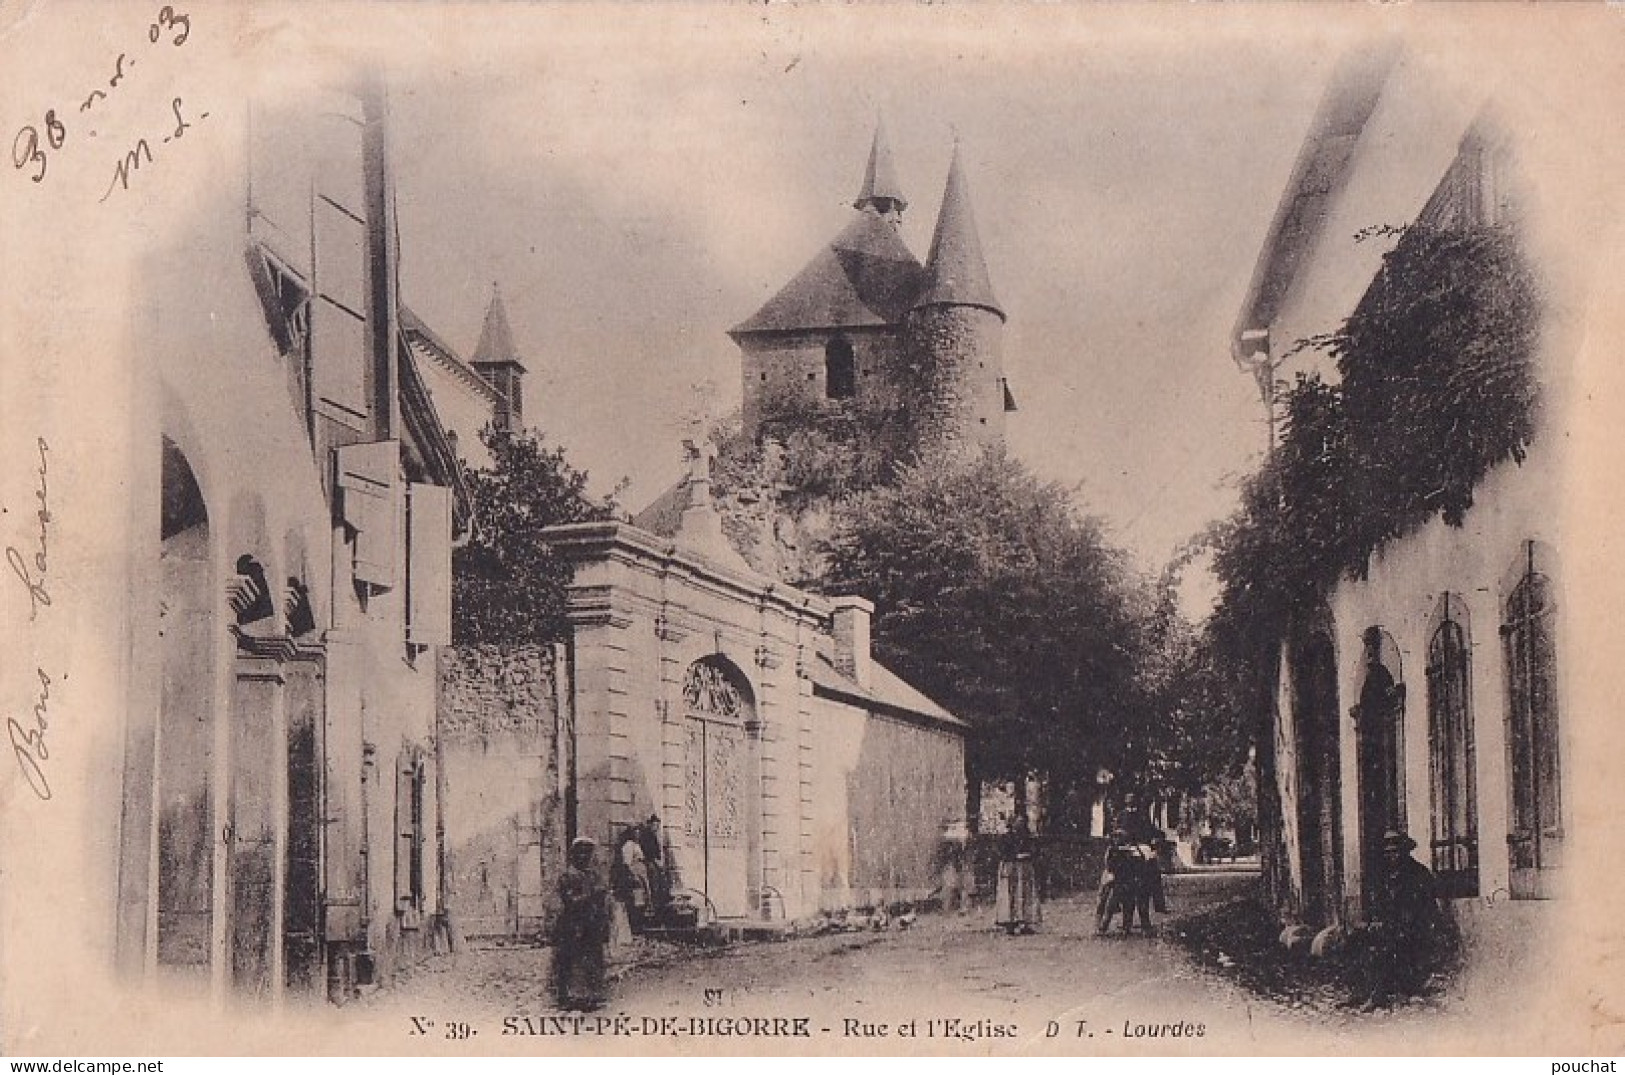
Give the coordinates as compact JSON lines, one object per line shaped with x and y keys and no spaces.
{"x":956,"y":272}
{"x":881,"y":190}
{"x":496,"y":338}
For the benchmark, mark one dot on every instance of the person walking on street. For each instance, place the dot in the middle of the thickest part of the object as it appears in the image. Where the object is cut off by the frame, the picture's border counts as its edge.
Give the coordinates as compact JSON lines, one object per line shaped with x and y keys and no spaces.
{"x":581,"y":933}
{"x":1017,"y":908}
{"x":954,"y":869}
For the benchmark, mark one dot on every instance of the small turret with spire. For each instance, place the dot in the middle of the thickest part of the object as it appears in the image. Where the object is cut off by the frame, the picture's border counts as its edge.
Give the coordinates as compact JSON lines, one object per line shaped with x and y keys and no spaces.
{"x":497,"y":360}
{"x":881,"y":193}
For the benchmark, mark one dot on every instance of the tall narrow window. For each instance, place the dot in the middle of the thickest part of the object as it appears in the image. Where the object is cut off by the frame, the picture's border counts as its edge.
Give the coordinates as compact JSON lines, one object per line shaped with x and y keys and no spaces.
{"x":1534,"y":767}
{"x":409,"y":781}
{"x":1450,"y":751}
{"x":840,"y":370}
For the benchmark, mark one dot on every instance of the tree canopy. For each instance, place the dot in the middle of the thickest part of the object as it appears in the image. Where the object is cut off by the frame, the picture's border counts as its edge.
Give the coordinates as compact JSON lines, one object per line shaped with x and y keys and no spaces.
{"x":994,"y":596}
{"x":507,"y":583}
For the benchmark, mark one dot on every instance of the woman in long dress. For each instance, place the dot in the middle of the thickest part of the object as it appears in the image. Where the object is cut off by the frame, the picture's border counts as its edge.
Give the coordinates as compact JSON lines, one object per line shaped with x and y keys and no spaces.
{"x":1017,"y":907}
{"x":581,"y":933}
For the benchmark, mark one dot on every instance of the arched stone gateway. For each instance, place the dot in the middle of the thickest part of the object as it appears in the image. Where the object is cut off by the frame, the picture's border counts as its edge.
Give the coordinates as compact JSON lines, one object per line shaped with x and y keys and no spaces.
{"x":749,"y":720}
{"x":187,"y":640}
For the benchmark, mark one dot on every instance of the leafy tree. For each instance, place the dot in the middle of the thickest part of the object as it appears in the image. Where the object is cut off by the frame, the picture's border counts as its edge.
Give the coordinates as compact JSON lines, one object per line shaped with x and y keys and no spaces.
{"x":507,"y":583}
{"x":1193,"y":737}
{"x":996,"y":598}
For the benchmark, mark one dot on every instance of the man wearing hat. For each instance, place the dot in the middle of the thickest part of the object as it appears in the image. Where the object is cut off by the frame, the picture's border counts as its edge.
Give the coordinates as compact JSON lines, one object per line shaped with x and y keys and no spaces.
{"x":581,"y":933}
{"x":1408,"y":933}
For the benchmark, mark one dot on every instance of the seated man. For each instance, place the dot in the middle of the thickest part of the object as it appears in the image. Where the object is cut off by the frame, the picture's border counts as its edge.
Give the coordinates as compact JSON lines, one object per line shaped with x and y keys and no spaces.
{"x":1408,"y":936}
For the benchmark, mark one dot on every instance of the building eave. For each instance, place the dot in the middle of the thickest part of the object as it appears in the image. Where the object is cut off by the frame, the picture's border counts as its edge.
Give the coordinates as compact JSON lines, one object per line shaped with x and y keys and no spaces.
{"x":428,"y":436}
{"x":1317,"y":178}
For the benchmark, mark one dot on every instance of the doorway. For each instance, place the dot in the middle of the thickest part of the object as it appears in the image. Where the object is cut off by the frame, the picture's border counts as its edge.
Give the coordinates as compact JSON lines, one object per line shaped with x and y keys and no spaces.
{"x":716,"y":811}
{"x":1379,"y":722}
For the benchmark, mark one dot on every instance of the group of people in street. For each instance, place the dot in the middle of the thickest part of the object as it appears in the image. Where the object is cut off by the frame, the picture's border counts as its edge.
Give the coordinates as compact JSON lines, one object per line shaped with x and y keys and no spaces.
{"x":1130,"y":882}
{"x":1406,"y":938}
{"x":591,"y":913}
{"x":639,"y":876}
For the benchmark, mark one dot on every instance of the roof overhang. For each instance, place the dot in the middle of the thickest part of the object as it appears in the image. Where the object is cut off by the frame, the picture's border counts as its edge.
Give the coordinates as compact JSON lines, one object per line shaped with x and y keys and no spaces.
{"x":1318,"y":177}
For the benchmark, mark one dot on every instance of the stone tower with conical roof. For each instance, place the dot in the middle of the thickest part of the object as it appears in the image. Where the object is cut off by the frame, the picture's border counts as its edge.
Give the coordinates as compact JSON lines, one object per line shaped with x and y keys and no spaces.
{"x":496,"y":359}
{"x":865,"y":325}
{"x":954,"y":334}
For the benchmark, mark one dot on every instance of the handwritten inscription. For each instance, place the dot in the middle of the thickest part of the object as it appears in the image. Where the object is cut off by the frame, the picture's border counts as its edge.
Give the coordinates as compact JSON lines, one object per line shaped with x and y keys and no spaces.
{"x":28,"y":744}
{"x":34,"y":145}
{"x":142,"y":151}
{"x":31,"y":570}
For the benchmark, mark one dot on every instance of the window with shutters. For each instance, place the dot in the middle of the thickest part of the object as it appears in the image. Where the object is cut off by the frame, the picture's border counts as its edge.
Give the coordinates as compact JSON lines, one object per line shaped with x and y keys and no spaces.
{"x":1533,"y":754}
{"x":1450,"y":752}
{"x":409,"y":786}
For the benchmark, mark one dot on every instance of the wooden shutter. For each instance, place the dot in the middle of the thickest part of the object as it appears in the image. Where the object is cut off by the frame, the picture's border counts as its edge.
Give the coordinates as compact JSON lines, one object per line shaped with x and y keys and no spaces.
{"x":428,"y":565}
{"x":339,"y":228}
{"x":367,"y":477}
{"x":405,"y":831}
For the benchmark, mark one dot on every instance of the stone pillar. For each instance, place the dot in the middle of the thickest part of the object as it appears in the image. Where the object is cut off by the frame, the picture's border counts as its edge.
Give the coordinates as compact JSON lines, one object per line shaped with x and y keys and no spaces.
{"x":673,"y":738}
{"x":302,"y":912}
{"x":770,"y":711}
{"x":805,"y":759}
{"x":603,"y":743}
{"x":256,"y":814}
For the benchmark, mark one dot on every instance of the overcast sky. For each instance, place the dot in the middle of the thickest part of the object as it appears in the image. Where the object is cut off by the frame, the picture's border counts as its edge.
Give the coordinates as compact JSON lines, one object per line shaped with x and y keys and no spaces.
{"x":639,"y":183}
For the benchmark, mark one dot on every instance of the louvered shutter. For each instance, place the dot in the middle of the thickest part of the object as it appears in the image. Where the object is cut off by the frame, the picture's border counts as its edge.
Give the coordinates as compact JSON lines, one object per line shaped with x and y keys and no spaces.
{"x":367,"y":478}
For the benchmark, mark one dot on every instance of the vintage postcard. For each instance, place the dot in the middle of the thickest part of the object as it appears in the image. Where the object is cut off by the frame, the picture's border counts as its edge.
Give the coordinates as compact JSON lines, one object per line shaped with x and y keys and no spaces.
{"x":724,"y":529}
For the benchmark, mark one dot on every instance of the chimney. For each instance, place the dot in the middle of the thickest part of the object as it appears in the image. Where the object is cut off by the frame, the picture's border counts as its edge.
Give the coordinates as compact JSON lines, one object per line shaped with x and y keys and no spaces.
{"x":852,"y":654}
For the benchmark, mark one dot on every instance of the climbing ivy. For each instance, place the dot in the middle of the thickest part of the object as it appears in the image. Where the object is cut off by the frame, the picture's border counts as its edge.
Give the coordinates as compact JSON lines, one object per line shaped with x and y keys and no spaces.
{"x":1437,"y":386}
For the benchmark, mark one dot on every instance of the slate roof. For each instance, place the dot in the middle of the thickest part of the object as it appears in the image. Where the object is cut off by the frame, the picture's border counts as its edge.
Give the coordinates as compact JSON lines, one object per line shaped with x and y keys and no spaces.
{"x":663,"y":514}
{"x":496,"y":338}
{"x":1318,"y":175}
{"x":426,"y":345}
{"x":426,"y":438}
{"x":880,"y":177}
{"x":887,"y":691}
{"x":956,"y":272}
{"x":866,"y":276}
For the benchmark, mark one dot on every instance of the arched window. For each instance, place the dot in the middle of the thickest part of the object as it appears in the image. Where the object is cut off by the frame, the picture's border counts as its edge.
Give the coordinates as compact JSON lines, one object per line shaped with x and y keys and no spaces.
{"x":1533,"y":763}
{"x":1379,"y":724}
{"x":1450,"y":751}
{"x":840,"y":369}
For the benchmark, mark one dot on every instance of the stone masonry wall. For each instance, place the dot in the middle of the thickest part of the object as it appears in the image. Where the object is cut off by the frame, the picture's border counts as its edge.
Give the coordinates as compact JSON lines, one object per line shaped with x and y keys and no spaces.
{"x":791,"y":368}
{"x":955,"y":376}
{"x":908,"y":782}
{"x":498,"y":724}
